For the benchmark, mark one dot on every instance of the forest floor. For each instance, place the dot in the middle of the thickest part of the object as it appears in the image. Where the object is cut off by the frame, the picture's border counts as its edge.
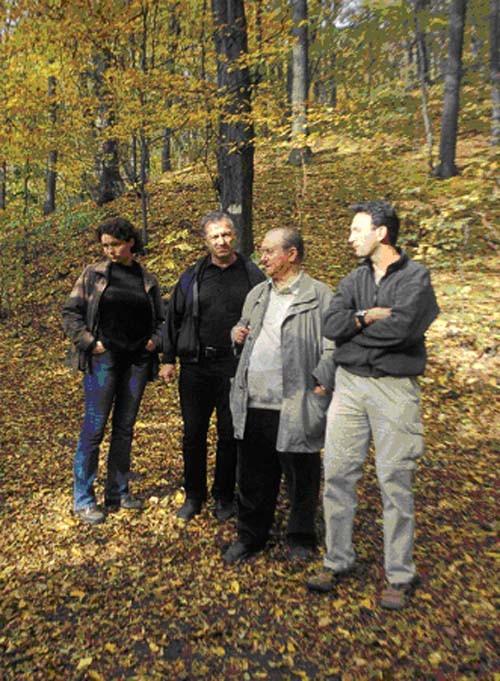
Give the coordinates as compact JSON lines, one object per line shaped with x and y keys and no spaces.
{"x":146,"y":596}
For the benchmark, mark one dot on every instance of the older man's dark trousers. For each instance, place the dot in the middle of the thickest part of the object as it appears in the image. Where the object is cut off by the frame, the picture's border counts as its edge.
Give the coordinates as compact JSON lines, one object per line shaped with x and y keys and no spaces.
{"x":260,"y":468}
{"x":204,"y":387}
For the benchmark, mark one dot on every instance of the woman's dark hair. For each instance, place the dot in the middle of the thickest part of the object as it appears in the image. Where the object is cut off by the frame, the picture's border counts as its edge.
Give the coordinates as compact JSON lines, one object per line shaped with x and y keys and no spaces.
{"x":121,"y":229}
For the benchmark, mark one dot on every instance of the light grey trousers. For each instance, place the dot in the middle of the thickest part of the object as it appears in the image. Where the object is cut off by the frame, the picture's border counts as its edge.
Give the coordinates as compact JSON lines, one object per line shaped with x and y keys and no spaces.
{"x":387,"y":408}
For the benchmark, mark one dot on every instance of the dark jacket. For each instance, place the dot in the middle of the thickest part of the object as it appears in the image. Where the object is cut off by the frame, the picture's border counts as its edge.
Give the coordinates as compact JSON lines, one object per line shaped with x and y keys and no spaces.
{"x":394,"y":346}
{"x":80,"y":313}
{"x":180,"y":330}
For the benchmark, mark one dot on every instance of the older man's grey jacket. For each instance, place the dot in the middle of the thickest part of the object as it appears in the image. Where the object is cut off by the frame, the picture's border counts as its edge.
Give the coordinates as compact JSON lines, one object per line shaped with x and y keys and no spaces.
{"x":307,"y":360}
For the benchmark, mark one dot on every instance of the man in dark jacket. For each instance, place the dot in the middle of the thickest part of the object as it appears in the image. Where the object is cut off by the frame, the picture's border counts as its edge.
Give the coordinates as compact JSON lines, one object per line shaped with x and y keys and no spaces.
{"x":377,"y":319}
{"x":205,"y":305}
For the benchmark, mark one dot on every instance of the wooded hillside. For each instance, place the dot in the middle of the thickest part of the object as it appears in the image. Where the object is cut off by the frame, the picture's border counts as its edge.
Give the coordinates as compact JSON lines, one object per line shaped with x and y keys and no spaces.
{"x":148,"y":597}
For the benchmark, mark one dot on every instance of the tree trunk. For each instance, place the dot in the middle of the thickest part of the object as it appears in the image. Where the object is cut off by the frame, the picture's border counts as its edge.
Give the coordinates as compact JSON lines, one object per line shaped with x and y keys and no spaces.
{"x":423,"y":77}
{"x":300,"y":152}
{"x":132,"y":173}
{"x":49,"y":205}
{"x":423,"y":62}
{"x":236,"y":135}
{"x":3,"y":185}
{"x":143,"y":186}
{"x":166,"y":150}
{"x":110,"y":184}
{"x":449,"y":121}
{"x":495,"y":70}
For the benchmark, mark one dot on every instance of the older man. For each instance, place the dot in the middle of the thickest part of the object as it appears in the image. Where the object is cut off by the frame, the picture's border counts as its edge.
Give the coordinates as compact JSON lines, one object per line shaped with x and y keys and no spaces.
{"x":205,"y":304}
{"x":279,"y":397}
{"x":377,"y":319}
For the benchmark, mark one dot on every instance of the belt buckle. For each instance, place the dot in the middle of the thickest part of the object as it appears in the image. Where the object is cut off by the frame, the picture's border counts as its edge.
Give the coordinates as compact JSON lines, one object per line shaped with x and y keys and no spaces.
{"x":210,"y":352}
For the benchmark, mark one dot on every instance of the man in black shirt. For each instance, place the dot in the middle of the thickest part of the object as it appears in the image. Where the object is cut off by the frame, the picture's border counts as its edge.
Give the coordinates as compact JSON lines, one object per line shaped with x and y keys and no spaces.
{"x":205,"y":305}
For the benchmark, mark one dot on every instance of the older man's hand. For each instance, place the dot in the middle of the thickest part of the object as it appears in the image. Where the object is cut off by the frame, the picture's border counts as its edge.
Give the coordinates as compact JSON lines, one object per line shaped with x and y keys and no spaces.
{"x":168,"y":373}
{"x":239,"y":334}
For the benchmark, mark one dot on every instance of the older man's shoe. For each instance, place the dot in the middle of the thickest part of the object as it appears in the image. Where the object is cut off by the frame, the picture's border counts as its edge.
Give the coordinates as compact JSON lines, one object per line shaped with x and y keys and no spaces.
{"x":300,"y":554}
{"x":189,"y":509}
{"x":224,"y":510}
{"x":239,"y":552}
{"x":91,"y":514}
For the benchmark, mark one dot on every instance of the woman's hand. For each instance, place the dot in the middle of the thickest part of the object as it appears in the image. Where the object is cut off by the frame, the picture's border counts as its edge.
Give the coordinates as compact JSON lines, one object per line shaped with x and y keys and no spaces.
{"x":98,"y":348}
{"x":150,"y":346}
{"x":320,"y":390}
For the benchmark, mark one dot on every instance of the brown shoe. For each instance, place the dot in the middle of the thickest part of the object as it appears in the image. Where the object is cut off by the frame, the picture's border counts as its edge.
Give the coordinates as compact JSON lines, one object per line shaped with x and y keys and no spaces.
{"x":327,"y":580}
{"x":396,"y":596}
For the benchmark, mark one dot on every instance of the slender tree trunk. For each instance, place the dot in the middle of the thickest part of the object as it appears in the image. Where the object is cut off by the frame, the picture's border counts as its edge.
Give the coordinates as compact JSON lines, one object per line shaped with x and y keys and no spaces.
{"x":3,"y":185}
{"x":174,"y":26}
{"x":300,"y":152}
{"x":144,"y":177}
{"x":236,"y":135}
{"x":132,"y":173}
{"x":423,"y":73}
{"x":331,"y":83}
{"x":451,"y":104}
{"x":371,"y":61}
{"x":166,"y":150}
{"x":495,"y":70}
{"x":49,"y":205}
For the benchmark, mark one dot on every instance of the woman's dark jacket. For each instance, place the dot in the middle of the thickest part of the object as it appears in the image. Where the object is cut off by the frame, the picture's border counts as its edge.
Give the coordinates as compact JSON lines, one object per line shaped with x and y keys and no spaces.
{"x":80,"y":313}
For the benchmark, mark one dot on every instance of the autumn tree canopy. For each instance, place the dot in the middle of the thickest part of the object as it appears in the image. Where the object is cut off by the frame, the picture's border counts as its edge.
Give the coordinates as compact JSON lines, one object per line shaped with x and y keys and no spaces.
{"x":98,"y":98}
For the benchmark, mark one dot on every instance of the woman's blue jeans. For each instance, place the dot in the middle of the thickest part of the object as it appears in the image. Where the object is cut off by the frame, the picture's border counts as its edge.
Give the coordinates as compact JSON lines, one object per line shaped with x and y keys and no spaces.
{"x":113,"y":379}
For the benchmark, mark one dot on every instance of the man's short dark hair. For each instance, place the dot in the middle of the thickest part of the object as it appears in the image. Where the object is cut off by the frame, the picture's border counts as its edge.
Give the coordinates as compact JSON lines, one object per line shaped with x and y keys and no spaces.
{"x":292,"y":238}
{"x":123,"y":230}
{"x":381,"y":213}
{"x":216,"y":216}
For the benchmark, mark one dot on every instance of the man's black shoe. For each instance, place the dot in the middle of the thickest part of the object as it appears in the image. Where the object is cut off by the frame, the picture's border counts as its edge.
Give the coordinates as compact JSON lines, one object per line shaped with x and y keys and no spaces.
{"x":128,"y":501}
{"x":300,"y":554}
{"x":239,"y":551}
{"x":224,"y":510}
{"x":189,"y":509}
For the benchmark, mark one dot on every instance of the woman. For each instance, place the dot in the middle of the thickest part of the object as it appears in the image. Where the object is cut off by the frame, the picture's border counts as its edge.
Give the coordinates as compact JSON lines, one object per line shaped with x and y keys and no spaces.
{"x":113,"y":317}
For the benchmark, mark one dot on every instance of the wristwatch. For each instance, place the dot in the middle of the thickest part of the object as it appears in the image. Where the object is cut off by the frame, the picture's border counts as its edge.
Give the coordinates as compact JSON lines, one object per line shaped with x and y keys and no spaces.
{"x":360,"y":316}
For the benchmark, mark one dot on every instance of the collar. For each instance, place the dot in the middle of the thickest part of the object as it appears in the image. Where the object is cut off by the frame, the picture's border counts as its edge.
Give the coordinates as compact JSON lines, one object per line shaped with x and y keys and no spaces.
{"x":403,"y":259}
{"x":291,"y":286}
{"x":238,"y":262}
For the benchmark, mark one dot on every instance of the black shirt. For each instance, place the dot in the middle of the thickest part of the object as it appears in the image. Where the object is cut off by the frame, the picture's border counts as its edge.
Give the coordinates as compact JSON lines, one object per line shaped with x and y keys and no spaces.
{"x":124,"y":310}
{"x":222,"y":292}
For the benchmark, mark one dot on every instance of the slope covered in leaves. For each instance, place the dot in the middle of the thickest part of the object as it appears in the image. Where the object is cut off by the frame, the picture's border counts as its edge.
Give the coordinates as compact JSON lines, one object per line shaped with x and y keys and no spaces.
{"x":148,"y":597}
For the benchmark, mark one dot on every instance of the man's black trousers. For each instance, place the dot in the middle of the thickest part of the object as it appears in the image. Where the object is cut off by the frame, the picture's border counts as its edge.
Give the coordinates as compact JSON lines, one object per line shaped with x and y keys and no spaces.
{"x":260,"y":468}
{"x":204,"y":387}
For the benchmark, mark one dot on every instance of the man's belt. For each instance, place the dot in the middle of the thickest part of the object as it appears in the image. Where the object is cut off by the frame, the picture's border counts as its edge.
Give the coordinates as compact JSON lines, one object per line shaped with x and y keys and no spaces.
{"x":210,"y":352}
